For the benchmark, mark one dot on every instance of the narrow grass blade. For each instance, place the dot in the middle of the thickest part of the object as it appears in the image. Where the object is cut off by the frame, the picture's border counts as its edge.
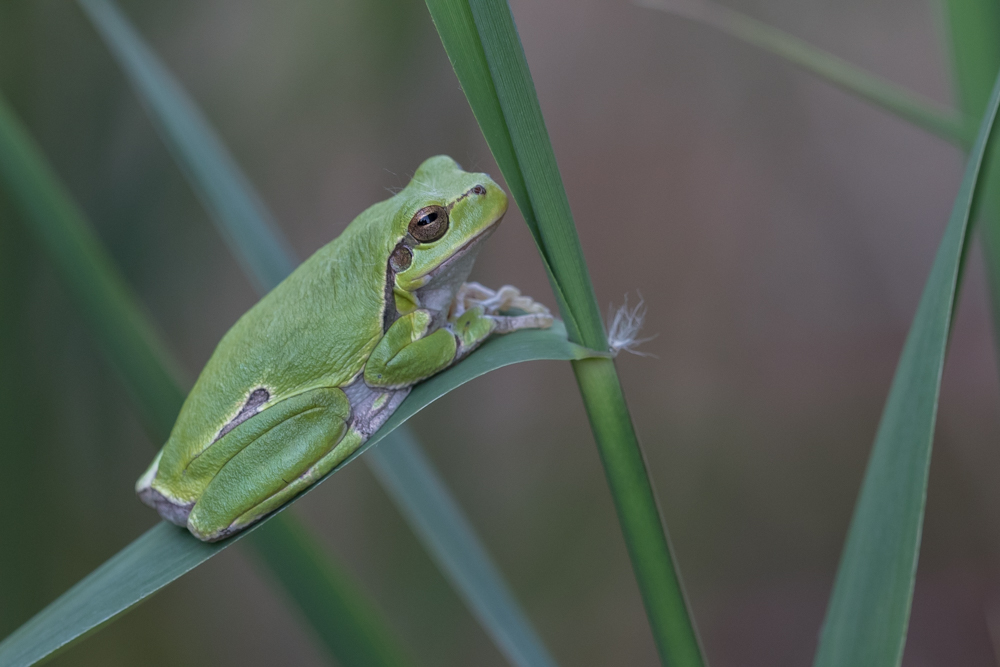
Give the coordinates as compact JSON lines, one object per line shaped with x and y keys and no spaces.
{"x":127,"y":339}
{"x":537,"y":198}
{"x":237,"y":211}
{"x":404,"y":470}
{"x":974,"y":29}
{"x":165,"y":552}
{"x":482,"y":43}
{"x":869,"y":611}
{"x":909,"y":106}
{"x":160,"y":556}
{"x":119,"y":327}
{"x":353,"y":625}
{"x":241,"y":216}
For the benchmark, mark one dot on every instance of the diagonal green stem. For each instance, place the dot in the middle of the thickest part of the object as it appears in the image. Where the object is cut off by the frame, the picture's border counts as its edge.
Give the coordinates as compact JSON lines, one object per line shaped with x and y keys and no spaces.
{"x":639,"y":514}
{"x":351,"y":625}
{"x":869,"y":610}
{"x":166,"y":552}
{"x":911,"y":107}
{"x":437,"y":519}
{"x":104,"y":300}
{"x":482,"y":43}
{"x":239,"y":214}
{"x":529,"y":137}
{"x":128,"y":340}
{"x":253,"y":237}
{"x":974,"y":31}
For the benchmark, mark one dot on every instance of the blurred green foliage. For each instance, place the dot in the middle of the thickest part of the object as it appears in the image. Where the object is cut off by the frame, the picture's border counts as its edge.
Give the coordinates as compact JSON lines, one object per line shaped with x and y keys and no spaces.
{"x":783,"y":230}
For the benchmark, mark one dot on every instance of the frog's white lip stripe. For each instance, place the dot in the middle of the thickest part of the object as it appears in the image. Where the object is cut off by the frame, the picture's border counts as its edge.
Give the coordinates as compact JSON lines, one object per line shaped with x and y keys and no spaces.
{"x":146,"y":481}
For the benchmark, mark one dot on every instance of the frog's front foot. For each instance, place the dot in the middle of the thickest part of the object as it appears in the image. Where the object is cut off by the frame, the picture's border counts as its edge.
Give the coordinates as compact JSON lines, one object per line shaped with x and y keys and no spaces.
{"x":507,"y":307}
{"x":478,"y":312}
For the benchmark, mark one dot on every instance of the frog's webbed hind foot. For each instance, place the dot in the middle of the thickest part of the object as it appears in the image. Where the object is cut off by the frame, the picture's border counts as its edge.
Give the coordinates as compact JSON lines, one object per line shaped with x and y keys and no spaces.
{"x":509,"y":309}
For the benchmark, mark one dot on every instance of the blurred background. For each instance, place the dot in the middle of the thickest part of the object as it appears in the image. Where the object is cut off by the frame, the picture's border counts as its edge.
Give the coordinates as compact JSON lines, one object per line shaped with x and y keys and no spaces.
{"x":780,"y":232}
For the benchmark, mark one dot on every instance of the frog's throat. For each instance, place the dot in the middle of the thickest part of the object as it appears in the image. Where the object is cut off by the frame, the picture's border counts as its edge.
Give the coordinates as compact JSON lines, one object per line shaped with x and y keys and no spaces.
{"x":442,"y":283}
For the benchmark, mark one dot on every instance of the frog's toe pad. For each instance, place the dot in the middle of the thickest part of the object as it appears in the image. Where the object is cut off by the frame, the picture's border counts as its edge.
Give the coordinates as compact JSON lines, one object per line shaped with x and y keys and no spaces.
{"x":498,"y":302}
{"x":506,"y":324}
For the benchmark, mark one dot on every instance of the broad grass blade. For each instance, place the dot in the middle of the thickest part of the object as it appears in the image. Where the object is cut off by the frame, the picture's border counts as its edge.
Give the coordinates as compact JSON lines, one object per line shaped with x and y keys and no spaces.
{"x":252,"y":235}
{"x":482,"y":43}
{"x":869,"y":610}
{"x":127,"y":339}
{"x":165,"y":552}
{"x":909,"y":106}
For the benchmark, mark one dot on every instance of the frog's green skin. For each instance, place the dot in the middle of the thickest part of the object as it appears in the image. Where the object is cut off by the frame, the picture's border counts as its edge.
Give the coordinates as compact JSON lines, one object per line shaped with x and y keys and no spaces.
{"x":306,"y":375}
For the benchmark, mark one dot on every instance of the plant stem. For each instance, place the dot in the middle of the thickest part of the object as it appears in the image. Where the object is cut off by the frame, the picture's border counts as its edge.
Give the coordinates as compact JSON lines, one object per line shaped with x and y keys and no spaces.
{"x":481,"y":40}
{"x":883,"y":93}
{"x":638,"y":512}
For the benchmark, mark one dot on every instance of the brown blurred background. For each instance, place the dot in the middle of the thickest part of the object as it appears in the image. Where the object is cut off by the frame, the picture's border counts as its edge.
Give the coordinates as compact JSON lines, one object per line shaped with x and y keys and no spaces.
{"x":779,"y":230}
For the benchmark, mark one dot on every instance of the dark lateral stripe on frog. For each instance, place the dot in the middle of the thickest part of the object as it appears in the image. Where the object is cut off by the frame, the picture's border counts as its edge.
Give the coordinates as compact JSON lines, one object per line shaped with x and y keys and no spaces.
{"x":474,"y":190}
{"x":389,"y":312}
{"x":257,"y":398}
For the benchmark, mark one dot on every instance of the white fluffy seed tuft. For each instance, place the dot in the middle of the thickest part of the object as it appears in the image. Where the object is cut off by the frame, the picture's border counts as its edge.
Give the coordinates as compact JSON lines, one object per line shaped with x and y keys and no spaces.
{"x":624,"y":325}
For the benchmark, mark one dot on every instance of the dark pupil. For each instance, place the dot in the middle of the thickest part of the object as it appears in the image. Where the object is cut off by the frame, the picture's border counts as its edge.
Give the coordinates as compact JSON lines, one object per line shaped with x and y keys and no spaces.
{"x":427,"y":219}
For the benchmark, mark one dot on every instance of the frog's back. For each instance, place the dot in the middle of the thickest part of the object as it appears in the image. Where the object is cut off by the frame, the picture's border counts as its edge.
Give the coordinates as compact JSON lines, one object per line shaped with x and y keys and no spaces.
{"x":315,"y":329}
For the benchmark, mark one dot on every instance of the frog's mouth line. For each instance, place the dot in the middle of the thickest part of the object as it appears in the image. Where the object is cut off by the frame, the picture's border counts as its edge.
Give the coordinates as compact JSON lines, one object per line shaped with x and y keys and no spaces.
{"x":462,"y":251}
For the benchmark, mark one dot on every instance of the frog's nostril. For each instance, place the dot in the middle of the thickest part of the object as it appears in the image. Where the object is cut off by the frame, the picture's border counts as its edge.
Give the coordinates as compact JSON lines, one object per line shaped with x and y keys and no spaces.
{"x":479,"y":190}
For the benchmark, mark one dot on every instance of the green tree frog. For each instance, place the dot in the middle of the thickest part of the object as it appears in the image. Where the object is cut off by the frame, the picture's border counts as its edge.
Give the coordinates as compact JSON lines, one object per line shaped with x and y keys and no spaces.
{"x":317,"y":366}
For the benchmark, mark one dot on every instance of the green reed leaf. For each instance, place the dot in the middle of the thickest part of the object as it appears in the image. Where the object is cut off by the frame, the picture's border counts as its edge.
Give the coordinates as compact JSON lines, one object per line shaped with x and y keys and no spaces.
{"x":104,"y":300}
{"x":250,"y":231}
{"x":974,"y":29}
{"x":167,"y":552}
{"x":236,"y":209}
{"x":127,"y":339}
{"x":907,"y":105}
{"x":406,"y":472}
{"x":869,"y":610}
{"x":482,"y":43}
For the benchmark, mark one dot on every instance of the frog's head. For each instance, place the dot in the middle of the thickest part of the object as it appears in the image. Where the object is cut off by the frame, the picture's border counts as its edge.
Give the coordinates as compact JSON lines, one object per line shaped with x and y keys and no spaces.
{"x":446,"y":216}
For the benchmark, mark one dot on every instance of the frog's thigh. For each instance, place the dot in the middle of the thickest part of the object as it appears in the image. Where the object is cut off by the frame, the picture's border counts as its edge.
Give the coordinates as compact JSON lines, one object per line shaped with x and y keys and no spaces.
{"x":408,"y":364}
{"x":276,"y":447}
{"x":350,"y":442}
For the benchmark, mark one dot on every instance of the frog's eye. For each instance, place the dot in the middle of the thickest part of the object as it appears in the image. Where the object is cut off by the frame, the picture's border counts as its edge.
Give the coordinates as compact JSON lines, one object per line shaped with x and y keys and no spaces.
{"x":429,"y":224}
{"x":400,"y":259}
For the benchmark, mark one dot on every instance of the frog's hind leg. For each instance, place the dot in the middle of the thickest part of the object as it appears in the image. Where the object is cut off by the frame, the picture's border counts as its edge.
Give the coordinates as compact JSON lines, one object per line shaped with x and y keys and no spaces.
{"x":347,"y":445}
{"x":370,"y":408}
{"x":273,"y":457}
{"x":171,"y":509}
